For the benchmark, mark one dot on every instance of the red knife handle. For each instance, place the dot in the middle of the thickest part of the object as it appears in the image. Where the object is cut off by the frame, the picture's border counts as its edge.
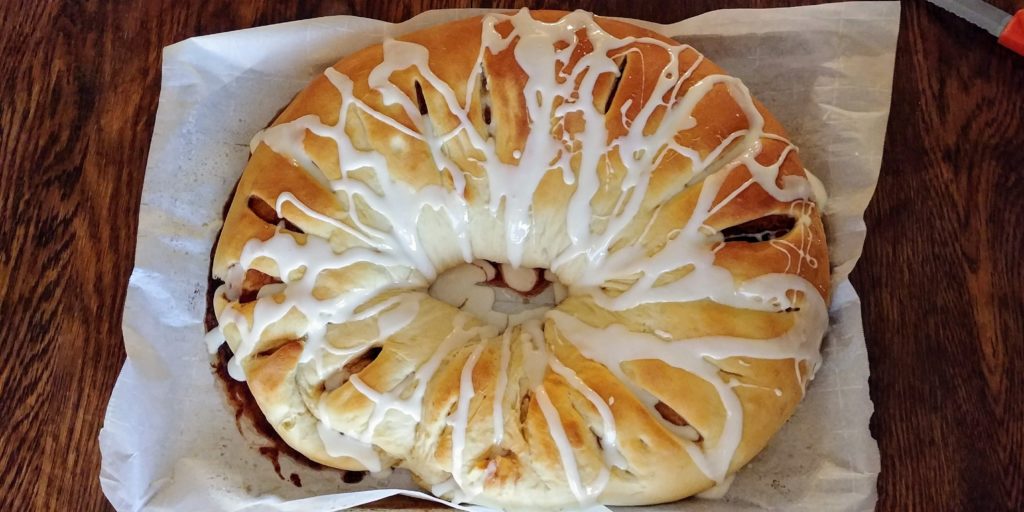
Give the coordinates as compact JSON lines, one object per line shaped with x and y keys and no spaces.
{"x":1013,"y":35}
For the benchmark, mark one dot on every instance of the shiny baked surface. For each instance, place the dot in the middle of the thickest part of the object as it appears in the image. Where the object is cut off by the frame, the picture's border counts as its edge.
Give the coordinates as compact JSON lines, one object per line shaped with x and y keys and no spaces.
{"x":666,"y":200}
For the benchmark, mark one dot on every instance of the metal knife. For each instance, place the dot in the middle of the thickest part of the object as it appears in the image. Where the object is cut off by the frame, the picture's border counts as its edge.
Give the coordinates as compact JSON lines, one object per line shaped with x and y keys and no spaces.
{"x":1009,"y":28}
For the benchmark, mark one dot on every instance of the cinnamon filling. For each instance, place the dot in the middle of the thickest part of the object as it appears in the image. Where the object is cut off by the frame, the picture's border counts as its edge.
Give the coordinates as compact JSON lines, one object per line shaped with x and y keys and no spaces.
{"x":761,"y":229}
{"x":253,"y":282}
{"x":268,"y":214}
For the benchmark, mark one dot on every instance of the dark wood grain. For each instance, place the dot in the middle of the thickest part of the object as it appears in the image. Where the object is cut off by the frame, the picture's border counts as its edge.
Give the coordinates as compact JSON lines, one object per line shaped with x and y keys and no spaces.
{"x":941,"y":276}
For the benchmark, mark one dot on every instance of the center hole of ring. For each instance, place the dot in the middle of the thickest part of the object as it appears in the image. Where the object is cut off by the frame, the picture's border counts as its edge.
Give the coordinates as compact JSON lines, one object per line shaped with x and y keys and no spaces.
{"x":497,"y":293}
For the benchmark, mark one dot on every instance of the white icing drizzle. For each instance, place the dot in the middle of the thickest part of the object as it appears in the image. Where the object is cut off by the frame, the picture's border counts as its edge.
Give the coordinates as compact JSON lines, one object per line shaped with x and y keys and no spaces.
{"x":214,"y":339}
{"x":609,"y":436}
{"x":803,"y":249}
{"x":691,"y":246}
{"x":460,"y":422}
{"x":535,"y":352}
{"x":498,"y":415}
{"x":395,"y":319}
{"x":314,"y":256}
{"x":585,"y":494}
{"x":717,"y":491}
{"x":337,"y":444}
{"x":413,"y":404}
{"x":550,"y":96}
{"x":818,"y":193}
{"x":801,"y":343}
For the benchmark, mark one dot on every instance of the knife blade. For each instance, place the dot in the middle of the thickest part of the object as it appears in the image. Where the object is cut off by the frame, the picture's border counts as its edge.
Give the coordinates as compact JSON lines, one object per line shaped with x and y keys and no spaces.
{"x":982,"y":14}
{"x":1009,"y":28}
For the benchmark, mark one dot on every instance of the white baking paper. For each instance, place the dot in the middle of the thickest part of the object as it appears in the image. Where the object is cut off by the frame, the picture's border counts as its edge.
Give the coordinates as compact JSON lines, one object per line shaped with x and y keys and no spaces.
{"x":169,"y":441}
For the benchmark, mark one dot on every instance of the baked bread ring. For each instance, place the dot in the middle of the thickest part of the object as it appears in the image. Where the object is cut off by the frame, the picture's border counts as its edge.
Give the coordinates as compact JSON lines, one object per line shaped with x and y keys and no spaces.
{"x":651,"y":185}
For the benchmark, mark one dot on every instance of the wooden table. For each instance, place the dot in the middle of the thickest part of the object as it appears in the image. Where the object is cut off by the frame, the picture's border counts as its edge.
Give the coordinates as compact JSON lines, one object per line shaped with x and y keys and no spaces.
{"x":942,"y":276}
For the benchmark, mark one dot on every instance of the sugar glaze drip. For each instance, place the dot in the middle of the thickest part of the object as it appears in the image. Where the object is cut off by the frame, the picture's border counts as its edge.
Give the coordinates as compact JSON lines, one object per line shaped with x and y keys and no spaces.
{"x":408,"y":268}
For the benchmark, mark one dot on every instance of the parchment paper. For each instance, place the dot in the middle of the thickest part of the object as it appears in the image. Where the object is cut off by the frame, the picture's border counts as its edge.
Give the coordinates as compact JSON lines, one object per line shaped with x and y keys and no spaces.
{"x":169,"y":441}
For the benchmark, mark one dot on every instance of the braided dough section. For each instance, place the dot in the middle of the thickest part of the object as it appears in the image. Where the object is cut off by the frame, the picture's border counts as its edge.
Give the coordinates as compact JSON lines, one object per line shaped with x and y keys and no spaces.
{"x":653,"y":186}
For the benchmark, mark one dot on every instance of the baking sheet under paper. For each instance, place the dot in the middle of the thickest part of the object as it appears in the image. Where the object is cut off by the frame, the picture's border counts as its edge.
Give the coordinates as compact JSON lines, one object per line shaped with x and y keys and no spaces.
{"x":169,"y":441}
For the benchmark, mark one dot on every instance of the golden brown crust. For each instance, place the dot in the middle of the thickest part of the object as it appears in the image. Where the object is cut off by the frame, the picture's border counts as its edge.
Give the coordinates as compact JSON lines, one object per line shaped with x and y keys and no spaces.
{"x":528,"y":468}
